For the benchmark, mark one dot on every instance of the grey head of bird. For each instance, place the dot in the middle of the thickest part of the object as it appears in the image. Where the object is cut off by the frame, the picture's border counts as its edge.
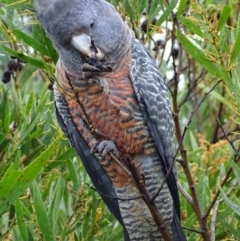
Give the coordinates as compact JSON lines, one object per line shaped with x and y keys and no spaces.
{"x":84,"y":29}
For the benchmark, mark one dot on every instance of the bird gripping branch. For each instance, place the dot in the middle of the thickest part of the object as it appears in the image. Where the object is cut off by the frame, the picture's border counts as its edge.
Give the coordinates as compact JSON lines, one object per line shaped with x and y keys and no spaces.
{"x":110,"y":73}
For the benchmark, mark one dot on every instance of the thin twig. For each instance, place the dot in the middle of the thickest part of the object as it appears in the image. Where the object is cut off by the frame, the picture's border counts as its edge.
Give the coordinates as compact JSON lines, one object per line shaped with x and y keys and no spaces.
{"x":180,"y":137}
{"x":120,"y":163}
{"x":185,"y":194}
{"x":231,"y":144}
{"x":213,"y":223}
{"x":191,"y":89}
{"x":236,"y":129}
{"x":77,"y":99}
{"x":111,"y":197}
{"x":219,"y":114}
{"x":193,"y":230}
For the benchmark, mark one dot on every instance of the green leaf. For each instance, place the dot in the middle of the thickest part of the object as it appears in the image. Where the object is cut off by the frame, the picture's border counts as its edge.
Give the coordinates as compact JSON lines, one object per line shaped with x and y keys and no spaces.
{"x":192,"y":26}
{"x":200,"y":56}
{"x":215,"y":94}
{"x":29,"y":103}
{"x":141,"y":5}
{"x":223,"y":17}
{"x":230,"y":229}
{"x":129,"y":8}
{"x":194,"y":143}
{"x":47,"y":186}
{"x":26,"y":73}
{"x":54,"y":208}
{"x":8,"y":181}
{"x":154,"y":9}
{"x":86,"y":223}
{"x":26,"y":212}
{"x":64,"y":233}
{"x":66,"y":200}
{"x":181,"y":7}
{"x":32,"y":170}
{"x":53,"y":53}
{"x":41,"y":213}
{"x":236,"y":47}
{"x":195,"y":152}
{"x":203,"y":184}
{"x":14,"y":183}
{"x":33,"y":124}
{"x":16,"y":236}
{"x":73,"y":175}
{"x":30,"y":235}
{"x":25,"y":58}
{"x":6,"y":116}
{"x":36,"y":120}
{"x":236,"y":171}
{"x":20,"y":220}
{"x":117,"y":236}
{"x":167,"y":12}
{"x":234,"y":206}
{"x":4,"y":144}
{"x":31,"y":42}
{"x":70,"y":153}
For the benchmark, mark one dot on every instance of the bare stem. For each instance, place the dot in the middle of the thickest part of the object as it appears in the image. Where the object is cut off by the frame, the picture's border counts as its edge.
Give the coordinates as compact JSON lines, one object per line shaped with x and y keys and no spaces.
{"x":213,"y":223}
{"x":180,"y":137}
{"x":185,"y":194}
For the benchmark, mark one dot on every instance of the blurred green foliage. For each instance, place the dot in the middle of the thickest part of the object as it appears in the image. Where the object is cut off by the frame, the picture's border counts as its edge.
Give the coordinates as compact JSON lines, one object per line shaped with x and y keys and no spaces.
{"x":43,"y":191}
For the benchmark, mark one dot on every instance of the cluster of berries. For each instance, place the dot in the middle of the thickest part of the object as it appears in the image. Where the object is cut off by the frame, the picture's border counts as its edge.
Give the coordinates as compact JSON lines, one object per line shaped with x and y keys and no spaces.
{"x":15,"y":65}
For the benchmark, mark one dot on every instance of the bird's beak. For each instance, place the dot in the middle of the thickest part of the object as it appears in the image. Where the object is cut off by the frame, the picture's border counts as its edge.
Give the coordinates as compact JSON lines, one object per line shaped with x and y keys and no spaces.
{"x":85,"y":45}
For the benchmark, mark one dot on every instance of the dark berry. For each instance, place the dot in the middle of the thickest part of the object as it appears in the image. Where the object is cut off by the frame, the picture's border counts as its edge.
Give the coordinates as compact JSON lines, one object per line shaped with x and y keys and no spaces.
{"x":159,"y":44}
{"x":175,"y":52}
{"x":6,"y":76}
{"x":144,"y":25}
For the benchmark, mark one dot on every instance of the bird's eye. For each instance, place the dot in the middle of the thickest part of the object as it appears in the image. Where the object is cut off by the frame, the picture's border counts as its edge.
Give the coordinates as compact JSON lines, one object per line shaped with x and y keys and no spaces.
{"x":92,"y":24}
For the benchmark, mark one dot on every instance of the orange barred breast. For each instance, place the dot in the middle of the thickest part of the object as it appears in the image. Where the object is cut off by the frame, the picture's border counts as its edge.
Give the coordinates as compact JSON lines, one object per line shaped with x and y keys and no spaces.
{"x":109,"y":101}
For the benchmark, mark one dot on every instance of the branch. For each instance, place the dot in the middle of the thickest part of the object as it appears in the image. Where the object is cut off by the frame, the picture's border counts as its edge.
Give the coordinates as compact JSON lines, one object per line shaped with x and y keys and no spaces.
{"x":193,"y":230}
{"x":185,"y":194}
{"x":231,"y":144}
{"x":180,"y":137}
{"x":229,"y":132}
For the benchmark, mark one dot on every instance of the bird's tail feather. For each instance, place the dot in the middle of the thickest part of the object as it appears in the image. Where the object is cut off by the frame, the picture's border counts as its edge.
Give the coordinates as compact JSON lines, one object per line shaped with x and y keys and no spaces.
{"x":177,"y":231}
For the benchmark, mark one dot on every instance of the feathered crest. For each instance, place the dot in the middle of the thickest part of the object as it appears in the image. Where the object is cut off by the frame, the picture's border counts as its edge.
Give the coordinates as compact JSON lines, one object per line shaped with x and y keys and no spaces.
{"x":50,"y":10}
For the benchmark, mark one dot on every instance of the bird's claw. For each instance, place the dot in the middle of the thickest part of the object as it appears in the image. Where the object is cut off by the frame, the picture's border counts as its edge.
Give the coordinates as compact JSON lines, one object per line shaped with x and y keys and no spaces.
{"x":104,"y":147}
{"x":94,"y":147}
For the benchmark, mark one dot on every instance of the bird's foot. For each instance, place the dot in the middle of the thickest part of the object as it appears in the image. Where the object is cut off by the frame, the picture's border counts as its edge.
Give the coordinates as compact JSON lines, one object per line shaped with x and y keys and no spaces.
{"x":94,"y":65}
{"x":104,"y":147}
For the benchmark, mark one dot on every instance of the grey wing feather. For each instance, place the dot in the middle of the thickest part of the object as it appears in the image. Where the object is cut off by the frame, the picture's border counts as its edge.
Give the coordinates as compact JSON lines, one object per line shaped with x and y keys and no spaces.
{"x":153,"y":98}
{"x":97,"y":174}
